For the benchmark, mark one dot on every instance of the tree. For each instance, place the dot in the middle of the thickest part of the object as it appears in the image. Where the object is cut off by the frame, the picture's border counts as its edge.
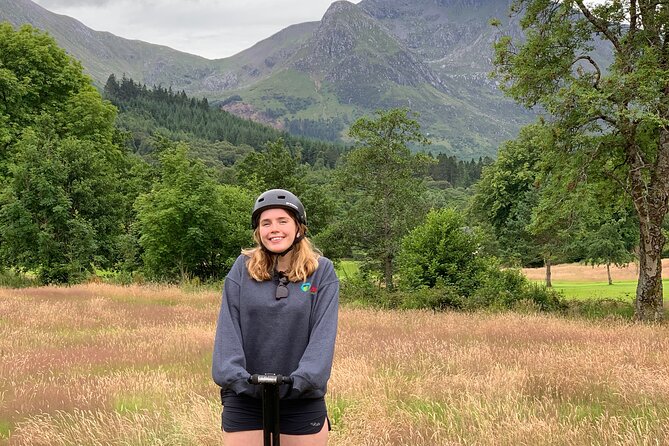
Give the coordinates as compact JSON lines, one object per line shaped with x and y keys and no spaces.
{"x":138,"y":178}
{"x":442,"y":250}
{"x":273,"y":168}
{"x":611,"y":119}
{"x":191,"y":226}
{"x":36,"y":77}
{"x":508,"y":192}
{"x":609,"y":245}
{"x":384,"y":183}
{"x":60,"y":206}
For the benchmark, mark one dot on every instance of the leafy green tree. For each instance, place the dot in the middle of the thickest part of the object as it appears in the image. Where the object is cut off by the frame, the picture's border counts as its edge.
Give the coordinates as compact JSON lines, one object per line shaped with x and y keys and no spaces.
{"x":613,"y":120}
{"x":609,"y":245}
{"x":384,"y":184}
{"x":274,"y":168}
{"x":36,"y":77}
{"x":191,"y":226}
{"x":507,"y":194}
{"x":138,"y":178}
{"x":524,"y":201}
{"x":60,"y":206}
{"x":442,"y":250}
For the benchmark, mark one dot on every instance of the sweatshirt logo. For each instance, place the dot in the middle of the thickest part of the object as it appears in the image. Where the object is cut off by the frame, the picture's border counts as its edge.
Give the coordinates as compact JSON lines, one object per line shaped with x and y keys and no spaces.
{"x":307,"y":288}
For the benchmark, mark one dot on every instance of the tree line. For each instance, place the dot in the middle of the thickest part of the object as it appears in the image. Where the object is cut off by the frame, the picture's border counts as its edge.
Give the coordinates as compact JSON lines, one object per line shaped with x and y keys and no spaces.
{"x":221,"y":139}
{"x":587,"y":182}
{"x":146,"y":110}
{"x":608,"y":126}
{"x":145,"y":180}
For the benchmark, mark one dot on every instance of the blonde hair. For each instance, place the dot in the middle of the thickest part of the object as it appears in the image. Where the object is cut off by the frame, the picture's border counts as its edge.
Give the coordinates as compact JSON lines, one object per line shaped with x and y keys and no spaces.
{"x":303,"y":262}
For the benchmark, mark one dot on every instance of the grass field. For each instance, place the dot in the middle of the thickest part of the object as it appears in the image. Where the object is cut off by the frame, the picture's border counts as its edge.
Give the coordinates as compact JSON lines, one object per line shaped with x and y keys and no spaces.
{"x":347,"y":268}
{"x":625,"y":290}
{"x":102,"y":365}
{"x":590,"y":282}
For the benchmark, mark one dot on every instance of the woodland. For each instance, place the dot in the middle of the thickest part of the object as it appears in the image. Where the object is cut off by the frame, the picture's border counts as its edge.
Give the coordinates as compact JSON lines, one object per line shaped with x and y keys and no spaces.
{"x":141,"y":183}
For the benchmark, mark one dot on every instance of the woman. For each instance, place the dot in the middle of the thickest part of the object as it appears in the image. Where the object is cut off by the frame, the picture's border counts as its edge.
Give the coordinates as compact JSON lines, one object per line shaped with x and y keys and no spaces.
{"x":278,"y":315}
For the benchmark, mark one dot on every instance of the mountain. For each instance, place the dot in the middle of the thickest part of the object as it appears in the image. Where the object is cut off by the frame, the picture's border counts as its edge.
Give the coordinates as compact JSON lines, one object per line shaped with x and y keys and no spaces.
{"x":315,"y":78}
{"x":102,"y":53}
{"x":433,"y":57}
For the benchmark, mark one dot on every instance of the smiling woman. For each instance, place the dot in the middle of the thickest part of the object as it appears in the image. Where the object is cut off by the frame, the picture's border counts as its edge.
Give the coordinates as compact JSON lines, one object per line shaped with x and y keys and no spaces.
{"x":278,"y":231}
{"x":278,"y":316}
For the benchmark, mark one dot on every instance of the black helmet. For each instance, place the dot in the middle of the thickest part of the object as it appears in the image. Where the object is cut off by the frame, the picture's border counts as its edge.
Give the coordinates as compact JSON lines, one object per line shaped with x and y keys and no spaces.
{"x":278,"y":198}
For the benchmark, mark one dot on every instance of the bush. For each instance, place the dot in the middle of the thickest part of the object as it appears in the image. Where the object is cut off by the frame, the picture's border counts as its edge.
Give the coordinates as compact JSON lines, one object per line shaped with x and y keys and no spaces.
{"x":11,"y":278}
{"x":600,"y":308}
{"x":509,"y":289}
{"x":442,"y":250}
{"x":115,"y":277}
{"x":500,"y":290}
{"x":62,"y":273}
{"x":441,"y":297}
{"x":360,"y":290}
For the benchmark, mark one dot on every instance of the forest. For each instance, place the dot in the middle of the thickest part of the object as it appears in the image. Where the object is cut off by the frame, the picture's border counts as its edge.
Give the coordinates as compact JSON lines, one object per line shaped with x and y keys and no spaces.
{"x":141,"y":183}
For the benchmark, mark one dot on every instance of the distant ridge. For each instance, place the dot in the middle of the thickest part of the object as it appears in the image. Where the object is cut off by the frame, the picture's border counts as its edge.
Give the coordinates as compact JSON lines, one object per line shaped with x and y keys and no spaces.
{"x":315,"y":78}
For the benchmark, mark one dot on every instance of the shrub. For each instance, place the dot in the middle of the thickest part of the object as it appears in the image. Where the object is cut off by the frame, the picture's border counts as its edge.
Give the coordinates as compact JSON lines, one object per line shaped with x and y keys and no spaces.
{"x":506,"y":289}
{"x":442,"y":250}
{"x":600,"y":308}
{"x":360,"y":290}
{"x":440,"y":297}
{"x":11,"y":278}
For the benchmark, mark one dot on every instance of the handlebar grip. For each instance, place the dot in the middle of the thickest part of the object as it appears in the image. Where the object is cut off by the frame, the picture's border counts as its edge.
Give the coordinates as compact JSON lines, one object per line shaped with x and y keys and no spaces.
{"x":270,"y":378}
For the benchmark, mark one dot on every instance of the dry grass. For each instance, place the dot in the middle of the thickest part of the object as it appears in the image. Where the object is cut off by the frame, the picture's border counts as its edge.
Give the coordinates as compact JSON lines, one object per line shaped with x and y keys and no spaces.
{"x":104,"y":365}
{"x":576,"y":272}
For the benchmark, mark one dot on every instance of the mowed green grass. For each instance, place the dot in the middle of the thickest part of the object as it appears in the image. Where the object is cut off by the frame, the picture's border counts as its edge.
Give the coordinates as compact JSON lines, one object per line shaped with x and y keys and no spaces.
{"x":624,"y":290}
{"x":347,"y":268}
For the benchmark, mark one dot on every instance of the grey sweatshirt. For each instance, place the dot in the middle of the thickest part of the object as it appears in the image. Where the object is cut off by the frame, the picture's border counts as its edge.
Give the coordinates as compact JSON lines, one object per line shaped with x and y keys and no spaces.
{"x":293,"y":336}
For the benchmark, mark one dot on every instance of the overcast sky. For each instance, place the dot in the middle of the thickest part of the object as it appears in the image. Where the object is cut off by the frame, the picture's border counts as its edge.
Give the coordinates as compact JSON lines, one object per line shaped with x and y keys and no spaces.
{"x":209,"y":28}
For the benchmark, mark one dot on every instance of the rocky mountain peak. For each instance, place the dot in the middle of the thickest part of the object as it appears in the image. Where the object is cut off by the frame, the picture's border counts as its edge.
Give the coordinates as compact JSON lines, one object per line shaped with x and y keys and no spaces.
{"x":429,"y":55}
{"x":350,"y":46}
{"x":341,"y":27}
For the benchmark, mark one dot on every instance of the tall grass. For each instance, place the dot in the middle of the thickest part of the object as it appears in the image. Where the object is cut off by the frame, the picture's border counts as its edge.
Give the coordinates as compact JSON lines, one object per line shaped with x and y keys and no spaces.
{"x":106,"y":365}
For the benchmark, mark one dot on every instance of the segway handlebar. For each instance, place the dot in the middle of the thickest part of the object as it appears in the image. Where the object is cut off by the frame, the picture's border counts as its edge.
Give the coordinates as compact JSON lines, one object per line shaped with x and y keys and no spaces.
{"x":270,"y":378}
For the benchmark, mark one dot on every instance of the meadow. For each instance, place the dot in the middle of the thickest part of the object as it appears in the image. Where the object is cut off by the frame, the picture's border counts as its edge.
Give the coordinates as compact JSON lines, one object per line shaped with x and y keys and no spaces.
{"x":577,"y":281}
{"x":99,"y":364}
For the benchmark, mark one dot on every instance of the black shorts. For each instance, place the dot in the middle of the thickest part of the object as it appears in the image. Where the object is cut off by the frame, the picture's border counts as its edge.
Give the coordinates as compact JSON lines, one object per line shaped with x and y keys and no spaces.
{"x":297,"y":417}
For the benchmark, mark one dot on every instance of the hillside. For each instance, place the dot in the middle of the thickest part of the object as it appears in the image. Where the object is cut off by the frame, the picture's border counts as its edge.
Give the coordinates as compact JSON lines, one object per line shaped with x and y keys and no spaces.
{"x":369,"y":56}
{"x":315,"y":78}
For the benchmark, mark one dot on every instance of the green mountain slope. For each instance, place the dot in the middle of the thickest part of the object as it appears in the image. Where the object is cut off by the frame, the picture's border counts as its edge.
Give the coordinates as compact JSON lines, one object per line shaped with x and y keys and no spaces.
{"x":354,"y":64}
{"x":103,"y":53}
{"x":315,"y":78}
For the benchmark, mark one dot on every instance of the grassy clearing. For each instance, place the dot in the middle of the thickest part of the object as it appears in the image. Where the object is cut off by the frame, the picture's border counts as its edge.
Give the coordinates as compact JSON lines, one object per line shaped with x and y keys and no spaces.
{"x":105,"y":365}
{"x":584,"y":282}
{"x":576,"y":272}
{"x":625,"y":290}
{"x":347,"y":268}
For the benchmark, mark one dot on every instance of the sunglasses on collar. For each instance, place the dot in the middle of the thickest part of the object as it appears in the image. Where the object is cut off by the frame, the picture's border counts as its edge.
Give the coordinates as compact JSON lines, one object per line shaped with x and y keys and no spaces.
{"x":282,"y":287}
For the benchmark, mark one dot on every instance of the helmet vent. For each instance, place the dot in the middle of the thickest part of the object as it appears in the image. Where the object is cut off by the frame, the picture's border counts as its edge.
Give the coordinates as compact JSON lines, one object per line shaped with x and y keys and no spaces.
{"x":282,"y":197}
{"x":260,"y":200}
